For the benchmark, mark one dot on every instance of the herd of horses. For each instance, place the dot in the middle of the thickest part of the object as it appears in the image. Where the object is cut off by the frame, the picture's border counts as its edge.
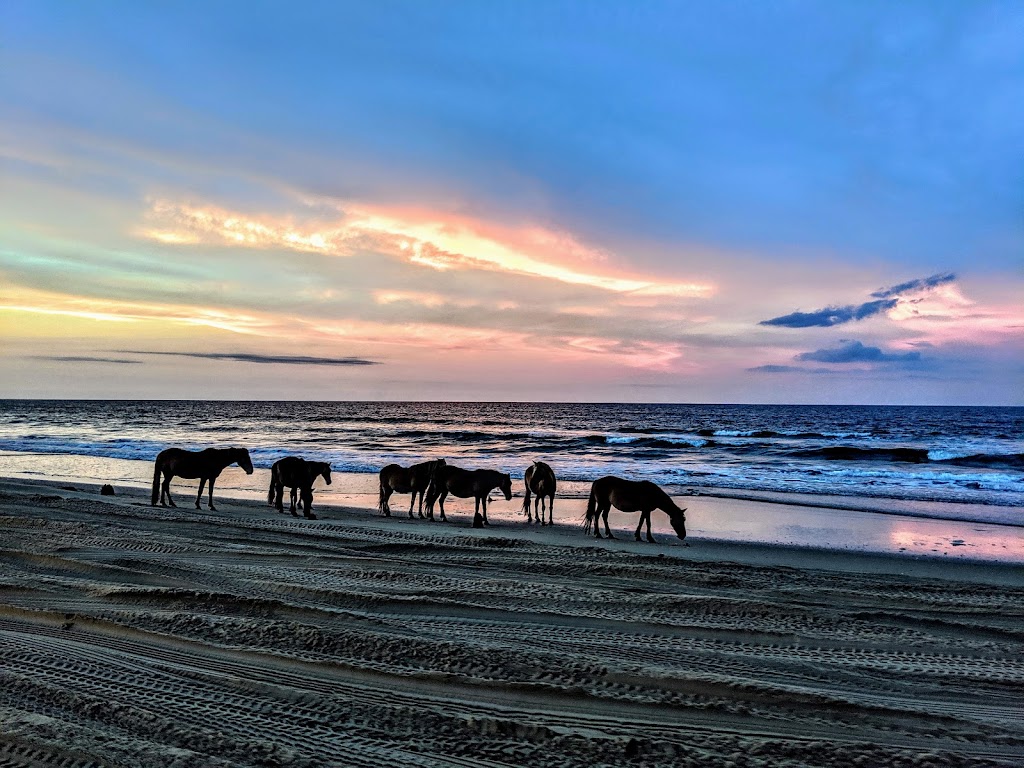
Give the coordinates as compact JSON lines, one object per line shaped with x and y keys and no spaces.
{"x":432,"y":481}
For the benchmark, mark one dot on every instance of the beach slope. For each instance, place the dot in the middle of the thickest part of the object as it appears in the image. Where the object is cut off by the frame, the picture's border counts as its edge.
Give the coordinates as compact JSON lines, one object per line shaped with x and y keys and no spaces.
{"x":132,"y":635}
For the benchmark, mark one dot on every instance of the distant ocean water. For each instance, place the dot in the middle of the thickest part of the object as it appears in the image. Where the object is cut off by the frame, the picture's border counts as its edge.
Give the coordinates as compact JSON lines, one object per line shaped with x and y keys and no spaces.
{"x":968,"y":455}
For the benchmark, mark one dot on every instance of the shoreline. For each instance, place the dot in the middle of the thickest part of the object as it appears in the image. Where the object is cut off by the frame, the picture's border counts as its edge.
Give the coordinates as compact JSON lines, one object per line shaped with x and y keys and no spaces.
{"x":570,"y":534}
{"x":826,"y":522}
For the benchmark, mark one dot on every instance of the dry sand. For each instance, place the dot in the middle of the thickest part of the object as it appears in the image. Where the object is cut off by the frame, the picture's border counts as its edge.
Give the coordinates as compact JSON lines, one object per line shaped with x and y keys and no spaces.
{"x":135,"y":636}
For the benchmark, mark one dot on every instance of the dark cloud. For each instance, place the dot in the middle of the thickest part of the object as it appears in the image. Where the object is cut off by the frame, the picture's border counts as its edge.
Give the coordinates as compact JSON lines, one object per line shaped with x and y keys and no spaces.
{"x":914,"y":286}
{"x":245,"y":357}
{"x":886,"y":298}
{"x":86,"y":359}
{"x":788,"y":369}
{"x":855,"y":352}
{"x":824,"y":318}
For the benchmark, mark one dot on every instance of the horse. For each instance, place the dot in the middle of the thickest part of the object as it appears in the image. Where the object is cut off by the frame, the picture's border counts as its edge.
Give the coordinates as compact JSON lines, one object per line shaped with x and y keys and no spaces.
{"x":464,"y":483}
{"x":630,"y":496}
{"x":299,"y":475}
{"x":540,"y":479}
{"x":206,"y":465}
{"x":415,"y":480}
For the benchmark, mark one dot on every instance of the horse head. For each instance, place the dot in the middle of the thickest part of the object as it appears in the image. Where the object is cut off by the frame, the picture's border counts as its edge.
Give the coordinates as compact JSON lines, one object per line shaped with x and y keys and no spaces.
{"x":326,"y":472}
{"x":506,"y":486}
{"x":242,"y":459}
{"x":678,"y":519}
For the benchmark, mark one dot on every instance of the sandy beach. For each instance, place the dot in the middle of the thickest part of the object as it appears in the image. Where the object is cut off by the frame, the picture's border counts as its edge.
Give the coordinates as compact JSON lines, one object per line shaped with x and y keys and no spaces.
{"x":136,"y":636}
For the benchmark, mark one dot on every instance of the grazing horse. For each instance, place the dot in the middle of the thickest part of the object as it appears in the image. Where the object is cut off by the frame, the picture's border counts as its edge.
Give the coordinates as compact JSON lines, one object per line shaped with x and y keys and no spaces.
{"x":540,"y":479}
{"x":415,"y":480}
{"x":629,"y":496}
{"x":299,"y":475}
{"x":206,"y":465}
{"x":463,"y":483}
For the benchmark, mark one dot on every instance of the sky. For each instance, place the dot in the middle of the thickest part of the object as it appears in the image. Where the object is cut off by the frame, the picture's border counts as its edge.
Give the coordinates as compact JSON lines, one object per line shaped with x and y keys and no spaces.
{"x":740,"y":202}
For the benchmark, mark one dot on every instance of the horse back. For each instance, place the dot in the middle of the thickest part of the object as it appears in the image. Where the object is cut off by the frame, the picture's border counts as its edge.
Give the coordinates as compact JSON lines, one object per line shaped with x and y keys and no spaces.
{"x":396,"y":477}
{"x":290,"y":471}
{"x":178,"y":461}
{"x":541,"y":479}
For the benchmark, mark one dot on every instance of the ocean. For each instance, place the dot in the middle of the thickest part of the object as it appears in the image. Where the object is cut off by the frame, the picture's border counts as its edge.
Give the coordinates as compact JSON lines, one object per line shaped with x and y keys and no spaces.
{"x":955,"y":455}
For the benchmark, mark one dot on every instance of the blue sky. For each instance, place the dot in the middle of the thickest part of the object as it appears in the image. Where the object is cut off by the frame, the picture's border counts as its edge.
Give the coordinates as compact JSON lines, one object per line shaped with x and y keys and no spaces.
{"x":744,"y":161}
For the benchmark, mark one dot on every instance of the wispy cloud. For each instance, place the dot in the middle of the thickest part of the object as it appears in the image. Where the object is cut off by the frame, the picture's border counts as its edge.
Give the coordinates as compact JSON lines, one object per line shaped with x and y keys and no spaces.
{"x":855,"y":352}
{"x":885,"y":299}
{"x":85,"y":359}
{"x":789,"y":369}
{"x":246,"y":357}
{"x":915,"y":286}
{"x":431,"y":239}
{"x":825,"y":318}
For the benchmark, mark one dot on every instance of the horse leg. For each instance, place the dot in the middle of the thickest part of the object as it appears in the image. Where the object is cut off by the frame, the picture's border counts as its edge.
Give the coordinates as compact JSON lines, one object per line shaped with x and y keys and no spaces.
{"x":212,"y":479}
{"x":279,"y":497}
{"x":294,"y":495}
{"x":440,"y":504}
{"x":483,"y":503}
{"x":543,"y":504}
{"x":421,"y":505}
{"x":412,"y":502}
{"x":640,"y":525}
{"x":202,"y":485}
{"x":650,"y":538}
{"x":386,"y":507}
{"x":551,"y":510}
{"x":604,"y":516}
{"x":165,"y":491}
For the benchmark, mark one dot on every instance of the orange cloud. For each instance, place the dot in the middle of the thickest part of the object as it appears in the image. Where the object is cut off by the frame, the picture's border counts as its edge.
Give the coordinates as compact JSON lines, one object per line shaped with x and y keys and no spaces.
{"x":424,"y":238}
{"x":945,"y":315}
{"x":112,"y":310}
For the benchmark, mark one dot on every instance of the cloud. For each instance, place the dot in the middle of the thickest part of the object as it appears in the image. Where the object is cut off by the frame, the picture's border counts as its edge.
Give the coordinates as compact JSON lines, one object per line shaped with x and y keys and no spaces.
{"x":856,"y":352}
{"x":915,"y":286}
{"x":788,"y":369}
{"x":85,"y":359}
{"x":422,"y":237}
{"x":825,"y":318}
{"x":885,"y":299}
{"x":245,"y":357}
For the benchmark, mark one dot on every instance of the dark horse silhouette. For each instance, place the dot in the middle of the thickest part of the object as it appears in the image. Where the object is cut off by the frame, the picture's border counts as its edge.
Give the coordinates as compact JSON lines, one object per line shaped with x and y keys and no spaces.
{"x":298,"y":474}
{"x":540,"y":480}
{"x":206,"y":465}
{"x":464,"y":483}
{"x":415,"y":480}
{"x":631,"y":496}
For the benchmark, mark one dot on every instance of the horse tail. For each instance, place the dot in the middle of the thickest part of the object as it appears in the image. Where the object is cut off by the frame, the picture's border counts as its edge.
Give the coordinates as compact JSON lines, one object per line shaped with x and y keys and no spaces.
{"x":591,"y":518}
{"x":270,"y":493}
{"x":526,"y":501}
{"x":156,"y":482}
{"x":380,"y":498}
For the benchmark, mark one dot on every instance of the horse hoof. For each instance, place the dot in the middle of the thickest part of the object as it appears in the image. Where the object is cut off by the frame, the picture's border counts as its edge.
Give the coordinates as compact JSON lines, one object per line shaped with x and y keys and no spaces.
{"x":212,"y":508}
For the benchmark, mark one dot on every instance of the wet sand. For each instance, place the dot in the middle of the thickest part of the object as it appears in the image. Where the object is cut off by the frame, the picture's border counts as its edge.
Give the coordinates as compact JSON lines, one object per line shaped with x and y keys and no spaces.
{"x":132,"y":635}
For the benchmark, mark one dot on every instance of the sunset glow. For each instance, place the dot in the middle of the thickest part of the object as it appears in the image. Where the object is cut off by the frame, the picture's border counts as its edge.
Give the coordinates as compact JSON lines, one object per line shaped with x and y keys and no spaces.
{"x":690,"y":226}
